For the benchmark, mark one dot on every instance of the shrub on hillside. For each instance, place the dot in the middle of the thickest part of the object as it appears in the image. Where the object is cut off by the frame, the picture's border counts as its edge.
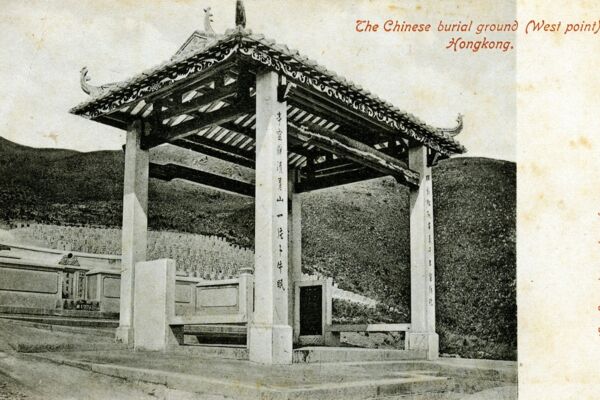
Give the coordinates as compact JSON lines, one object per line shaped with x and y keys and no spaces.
{"x":348,"y":312}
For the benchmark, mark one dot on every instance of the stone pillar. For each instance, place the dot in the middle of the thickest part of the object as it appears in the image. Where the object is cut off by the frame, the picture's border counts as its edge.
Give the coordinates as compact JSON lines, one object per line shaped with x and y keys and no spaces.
{"x":270,"y":336}
{"x":329,"y":339}
{"x":294,"y":246}
{"x":422,"y":335}
{"x":135,"y":223}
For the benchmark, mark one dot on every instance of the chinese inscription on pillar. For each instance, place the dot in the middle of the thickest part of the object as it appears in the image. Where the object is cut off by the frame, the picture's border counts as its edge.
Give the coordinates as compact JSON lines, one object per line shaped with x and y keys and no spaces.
{"x":280,"y":186}
{"x":430,"y":268}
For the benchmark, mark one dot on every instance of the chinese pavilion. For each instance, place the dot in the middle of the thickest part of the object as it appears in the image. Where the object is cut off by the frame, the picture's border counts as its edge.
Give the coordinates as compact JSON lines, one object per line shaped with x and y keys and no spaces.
{"x":247,"y":100}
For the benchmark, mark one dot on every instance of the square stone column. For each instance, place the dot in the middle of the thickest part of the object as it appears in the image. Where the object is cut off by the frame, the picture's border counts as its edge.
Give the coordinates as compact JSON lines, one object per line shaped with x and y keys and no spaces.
{"x":422,"y":335}
{"x":269,"y":335}
{"x":294,"y":245}
{"x":135,"y":224}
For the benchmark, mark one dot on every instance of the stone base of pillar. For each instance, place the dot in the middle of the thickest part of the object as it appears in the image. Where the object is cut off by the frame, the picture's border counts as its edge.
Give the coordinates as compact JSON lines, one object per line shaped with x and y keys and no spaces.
{"x":333,"y":339}
{"x":270,"y":344}
{"x":124,"y":334}
{"x":424,"y":341}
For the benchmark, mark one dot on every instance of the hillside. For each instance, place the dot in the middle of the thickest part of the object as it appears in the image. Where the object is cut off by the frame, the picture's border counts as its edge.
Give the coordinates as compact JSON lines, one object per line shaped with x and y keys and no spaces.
{"x":343,"y":228}
{"x":63,"y":186}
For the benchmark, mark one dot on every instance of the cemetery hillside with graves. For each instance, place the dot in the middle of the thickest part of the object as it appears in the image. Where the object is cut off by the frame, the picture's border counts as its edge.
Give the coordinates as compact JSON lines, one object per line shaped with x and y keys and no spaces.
{"x":61,"y":202}
{"x":263,"y":212}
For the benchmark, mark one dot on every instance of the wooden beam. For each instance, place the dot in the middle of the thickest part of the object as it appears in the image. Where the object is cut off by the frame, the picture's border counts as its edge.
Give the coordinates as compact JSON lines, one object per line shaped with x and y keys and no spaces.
{"x":325,"y":107}
{"x":225,"y":114}
{"x":200,"y":101}
{"x":356,"y":151}
{"x":342,"y":178}
{"x":339,"y":165}
{"x":192,"y":81}
{"x":201,"y":120}
{"x":244,"y":130}
{"x":215,"y":152}
{"x":246,"y":79}
{"x":217,"y":149}
{"x":169,"y":172}
{"x":351,"y":117}
{"x":249,"y":155}
{"x":157,"y":115}
{"x":348,"y":121}
{"x":294,"y":145}
{"x":116,"y":120}
{"x":334,"y":167}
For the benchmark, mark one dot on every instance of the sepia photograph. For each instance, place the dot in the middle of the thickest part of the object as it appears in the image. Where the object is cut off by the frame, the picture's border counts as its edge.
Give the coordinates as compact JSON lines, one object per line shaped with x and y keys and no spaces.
{"x":258,"y":199}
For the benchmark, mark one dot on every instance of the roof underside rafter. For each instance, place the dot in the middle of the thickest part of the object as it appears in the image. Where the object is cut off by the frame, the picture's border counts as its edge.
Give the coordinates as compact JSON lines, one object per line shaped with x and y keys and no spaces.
{"x":205,"y":102}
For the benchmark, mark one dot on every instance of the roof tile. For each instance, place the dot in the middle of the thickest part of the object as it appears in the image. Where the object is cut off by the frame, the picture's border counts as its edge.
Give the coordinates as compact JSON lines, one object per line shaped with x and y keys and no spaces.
{"x":174,"y":66}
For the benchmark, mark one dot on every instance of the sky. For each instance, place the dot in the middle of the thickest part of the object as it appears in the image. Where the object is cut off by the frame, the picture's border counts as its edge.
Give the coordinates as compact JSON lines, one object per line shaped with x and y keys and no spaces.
{"x":44,"y":44}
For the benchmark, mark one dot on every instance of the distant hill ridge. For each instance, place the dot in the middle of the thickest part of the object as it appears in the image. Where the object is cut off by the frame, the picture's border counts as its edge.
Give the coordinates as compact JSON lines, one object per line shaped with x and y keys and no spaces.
{"x":357,"y":233}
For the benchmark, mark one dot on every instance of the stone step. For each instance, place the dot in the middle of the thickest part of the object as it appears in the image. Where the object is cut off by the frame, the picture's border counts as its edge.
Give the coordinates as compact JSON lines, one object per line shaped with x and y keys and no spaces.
{"x":351,"y":354}
{"x":231,"y":352}
{"x":410,"y":385}
{"x":57,"y":312}
{"x":462,"y":369}
{"x":306,"y":355}
{"x":69,"y":346}
{"x":66,"y":321}
{"x":233,"y":330}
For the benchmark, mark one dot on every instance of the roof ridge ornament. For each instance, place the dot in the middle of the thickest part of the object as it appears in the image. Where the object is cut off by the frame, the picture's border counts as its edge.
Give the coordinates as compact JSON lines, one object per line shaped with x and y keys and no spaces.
{"x":456,"y":130}
{"x":92,"y":90}
{"x":208,"y":29}
{"x":240,"y":14}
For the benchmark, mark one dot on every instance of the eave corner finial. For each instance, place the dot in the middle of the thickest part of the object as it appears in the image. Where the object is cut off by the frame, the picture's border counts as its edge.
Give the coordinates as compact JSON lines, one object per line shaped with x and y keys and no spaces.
{"x":84,"y":78}
{"x":240,"y":14}
{"x":91,"y":89}
{"x":457,"y":129}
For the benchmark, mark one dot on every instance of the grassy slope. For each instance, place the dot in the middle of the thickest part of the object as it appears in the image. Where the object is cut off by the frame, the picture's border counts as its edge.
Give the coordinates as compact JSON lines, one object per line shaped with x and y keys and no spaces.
{"x":62,"y":186}
{"x":357,"y":233}
{"x":475,"y":212}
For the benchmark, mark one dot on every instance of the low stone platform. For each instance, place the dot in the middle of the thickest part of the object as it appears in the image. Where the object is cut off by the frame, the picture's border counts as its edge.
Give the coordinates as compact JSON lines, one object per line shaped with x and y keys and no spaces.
{"x":319,"y":372}
{"x":239,"y":379}
{"x":353,"y":354}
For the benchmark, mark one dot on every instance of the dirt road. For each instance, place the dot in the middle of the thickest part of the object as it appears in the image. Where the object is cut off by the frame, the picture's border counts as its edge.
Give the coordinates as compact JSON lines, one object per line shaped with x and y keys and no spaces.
{"x":23,"y":378}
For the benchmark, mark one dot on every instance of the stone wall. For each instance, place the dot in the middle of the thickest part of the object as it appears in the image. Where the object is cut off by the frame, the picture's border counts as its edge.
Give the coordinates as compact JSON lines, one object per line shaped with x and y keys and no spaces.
{"x":30,"y":284}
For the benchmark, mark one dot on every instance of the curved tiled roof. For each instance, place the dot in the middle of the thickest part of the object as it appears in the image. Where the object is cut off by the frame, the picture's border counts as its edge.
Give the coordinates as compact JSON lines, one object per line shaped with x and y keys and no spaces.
{"x":289,"y":62}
